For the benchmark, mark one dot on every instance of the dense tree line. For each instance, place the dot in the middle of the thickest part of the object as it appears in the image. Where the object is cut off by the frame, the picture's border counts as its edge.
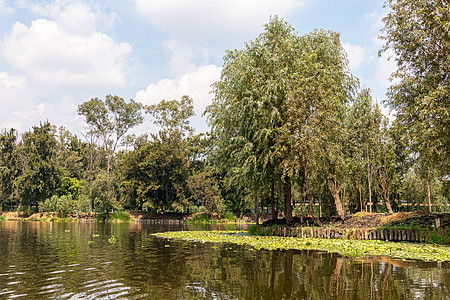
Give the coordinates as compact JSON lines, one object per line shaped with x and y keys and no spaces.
{"x":291,"y":130}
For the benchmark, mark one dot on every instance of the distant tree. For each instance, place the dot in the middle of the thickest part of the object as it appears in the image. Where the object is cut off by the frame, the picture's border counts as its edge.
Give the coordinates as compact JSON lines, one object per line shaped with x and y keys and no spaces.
{"x":10,"y":167}
{"x":159,"y":165}
{"x":110,"y":120}
{"x":363,"y":125}
{"x":40,"y":178}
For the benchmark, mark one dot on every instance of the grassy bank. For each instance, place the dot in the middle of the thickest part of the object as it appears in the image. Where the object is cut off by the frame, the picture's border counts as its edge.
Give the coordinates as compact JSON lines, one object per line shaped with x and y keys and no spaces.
{"x":351,"y":248}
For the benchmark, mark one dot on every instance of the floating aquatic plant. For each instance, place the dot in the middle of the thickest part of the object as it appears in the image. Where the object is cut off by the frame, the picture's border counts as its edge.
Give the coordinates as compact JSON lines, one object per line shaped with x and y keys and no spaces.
{"x":353,"y":248}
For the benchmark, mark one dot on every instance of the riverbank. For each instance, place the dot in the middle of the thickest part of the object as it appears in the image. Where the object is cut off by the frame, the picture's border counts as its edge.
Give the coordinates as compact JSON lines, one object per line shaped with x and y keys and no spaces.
{"x":349,"y":248}
{"x":134,"y":216}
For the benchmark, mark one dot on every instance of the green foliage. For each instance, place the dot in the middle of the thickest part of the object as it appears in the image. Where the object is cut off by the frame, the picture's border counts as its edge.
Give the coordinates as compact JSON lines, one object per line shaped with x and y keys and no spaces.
{"x":254,"y":230}
{"x":63,"y":205}
{"x":40,"y":177}
{"x":200,"y":218}
{"x":350,"y":248}
{"x":70,"y":187}
{"x":204,"y":190}
{"x":121,"y":216}
{"x":2,"y":218}
{"x":416,"y":31}
{"x":438,"y":237}
{"x":230,"y":216}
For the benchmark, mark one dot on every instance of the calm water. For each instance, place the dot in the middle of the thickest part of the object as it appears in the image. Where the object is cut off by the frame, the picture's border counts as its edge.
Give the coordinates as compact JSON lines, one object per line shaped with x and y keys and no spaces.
{"x":43,"y":260}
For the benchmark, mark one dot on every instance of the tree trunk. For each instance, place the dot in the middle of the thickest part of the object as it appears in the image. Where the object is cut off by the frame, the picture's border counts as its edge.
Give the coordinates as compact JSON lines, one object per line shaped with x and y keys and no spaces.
{"x":369,"y":179}
{"x":287,"y":200}
{"x":257,"y":209}
{"x":429,"y":194}
{"x":385,"y":191}
{"x":272,"y":200}
{"x":308,"y":190}
{"x":370,"y":188}
{"x":360,"y":198}
{"x":334,"y":187}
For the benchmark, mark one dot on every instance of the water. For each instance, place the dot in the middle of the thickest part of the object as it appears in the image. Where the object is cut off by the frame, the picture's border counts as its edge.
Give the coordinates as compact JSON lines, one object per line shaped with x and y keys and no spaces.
{"x":44,"y":260}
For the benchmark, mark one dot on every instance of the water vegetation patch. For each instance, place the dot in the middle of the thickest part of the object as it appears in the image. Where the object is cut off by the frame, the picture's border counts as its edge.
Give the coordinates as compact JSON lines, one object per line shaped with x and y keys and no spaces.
{"x":351,"y":248}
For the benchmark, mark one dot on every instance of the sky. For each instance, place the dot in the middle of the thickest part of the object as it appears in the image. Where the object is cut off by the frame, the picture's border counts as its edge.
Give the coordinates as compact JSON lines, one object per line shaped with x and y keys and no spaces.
{"x":55,"y":55}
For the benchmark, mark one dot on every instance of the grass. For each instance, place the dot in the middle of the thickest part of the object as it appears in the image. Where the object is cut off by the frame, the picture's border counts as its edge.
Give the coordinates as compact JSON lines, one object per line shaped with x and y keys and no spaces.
{"x":350,"y":248}
{"x":201,"y":218}
{"x":122,"y":216}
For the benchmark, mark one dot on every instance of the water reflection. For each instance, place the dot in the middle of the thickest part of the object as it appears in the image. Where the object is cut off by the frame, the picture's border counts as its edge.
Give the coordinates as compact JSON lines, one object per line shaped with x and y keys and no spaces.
{"x":75,"y":260}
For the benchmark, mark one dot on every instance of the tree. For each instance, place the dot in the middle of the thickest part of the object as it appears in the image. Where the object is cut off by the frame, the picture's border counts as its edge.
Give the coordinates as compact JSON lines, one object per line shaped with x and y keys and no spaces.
{"x":110,"y":120}
{"x":40,"y":178}
{"x":10,"y":167}
{"x":416,"y":31}
{"x":364,"y":121}
{"x":318,"y":93}
{"x":249,"y":109}
{"x":158,"y":167}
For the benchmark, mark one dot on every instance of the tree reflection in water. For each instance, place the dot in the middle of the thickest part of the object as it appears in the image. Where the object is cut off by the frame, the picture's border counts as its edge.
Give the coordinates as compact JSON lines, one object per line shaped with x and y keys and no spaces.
{"x":75,"y":259}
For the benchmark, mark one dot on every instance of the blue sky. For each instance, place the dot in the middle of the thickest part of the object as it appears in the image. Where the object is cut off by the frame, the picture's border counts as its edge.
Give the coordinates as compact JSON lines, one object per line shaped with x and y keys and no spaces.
{"x":56,"y":54}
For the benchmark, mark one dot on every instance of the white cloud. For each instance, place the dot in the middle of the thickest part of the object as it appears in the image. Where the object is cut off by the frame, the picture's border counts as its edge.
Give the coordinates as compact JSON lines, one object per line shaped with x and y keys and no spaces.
{"x":196,"y":84}
{"x":66,"y":52}
{"x":5,"y":9}
{"x":356,"y":54}
{"x":20,"y":109}
{"x":50,"y":55}
{"x":74,"y":16}
{"x":205,"y":19}
{"x":385,"y":67}
{"x":17,"y":102}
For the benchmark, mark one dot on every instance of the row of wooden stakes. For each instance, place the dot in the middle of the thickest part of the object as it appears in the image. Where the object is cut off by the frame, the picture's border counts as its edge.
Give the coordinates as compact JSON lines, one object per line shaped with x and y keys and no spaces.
{"x":352,"y":234}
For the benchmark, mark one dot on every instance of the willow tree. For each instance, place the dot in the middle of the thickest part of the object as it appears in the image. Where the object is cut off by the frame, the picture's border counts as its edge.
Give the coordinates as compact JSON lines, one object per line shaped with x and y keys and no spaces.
{"x":250,"y":108}
{"x":417,"y":32}
{"x":278,"y":98}
{"x":363,"y":123}
{"x":318,"y":94}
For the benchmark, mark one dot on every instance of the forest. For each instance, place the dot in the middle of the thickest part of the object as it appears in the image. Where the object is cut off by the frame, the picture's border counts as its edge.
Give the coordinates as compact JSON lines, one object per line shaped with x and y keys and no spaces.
{"x":291,"y":131}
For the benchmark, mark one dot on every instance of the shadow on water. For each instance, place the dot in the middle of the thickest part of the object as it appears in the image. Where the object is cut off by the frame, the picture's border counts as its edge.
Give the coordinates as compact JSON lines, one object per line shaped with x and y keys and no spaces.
{"x":123,"y":261}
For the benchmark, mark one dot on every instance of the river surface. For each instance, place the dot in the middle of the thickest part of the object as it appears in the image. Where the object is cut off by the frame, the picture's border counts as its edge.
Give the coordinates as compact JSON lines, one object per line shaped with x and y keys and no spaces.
{"x":45,"y":260}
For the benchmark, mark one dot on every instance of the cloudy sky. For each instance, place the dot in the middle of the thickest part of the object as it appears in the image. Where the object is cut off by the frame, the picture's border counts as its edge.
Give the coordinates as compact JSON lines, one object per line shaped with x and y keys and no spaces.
{"x":56,"y":54}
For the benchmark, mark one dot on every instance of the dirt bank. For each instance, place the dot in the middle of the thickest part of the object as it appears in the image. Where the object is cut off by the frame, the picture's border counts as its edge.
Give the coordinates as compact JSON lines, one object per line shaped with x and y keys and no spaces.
{"x":422,"y":219}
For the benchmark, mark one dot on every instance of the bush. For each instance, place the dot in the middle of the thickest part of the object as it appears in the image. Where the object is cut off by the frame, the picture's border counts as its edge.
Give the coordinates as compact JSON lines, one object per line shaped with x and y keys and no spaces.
{"x":64,"y":206}
{"x":254,"y":230}
{"x":437,"y":236}
{"x":200,"y":218}
{"x":121,"y":215}
{"x":230,"y":216}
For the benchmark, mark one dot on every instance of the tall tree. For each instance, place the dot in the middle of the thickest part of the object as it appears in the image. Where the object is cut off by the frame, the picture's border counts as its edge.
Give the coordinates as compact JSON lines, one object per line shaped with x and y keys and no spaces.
{"x":110,"y":120}
{"x":416,"y":31}
{"x":318,"y":93}
{"x":10,"y":167}
{"x":249,"y":108}
{"x":364,"y":121}
{"x":158,"y":167}
{"x":40,"y":178}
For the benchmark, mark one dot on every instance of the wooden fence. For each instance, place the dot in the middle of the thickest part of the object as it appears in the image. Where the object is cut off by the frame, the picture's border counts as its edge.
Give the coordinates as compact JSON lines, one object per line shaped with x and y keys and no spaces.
{"x":352,"y":234}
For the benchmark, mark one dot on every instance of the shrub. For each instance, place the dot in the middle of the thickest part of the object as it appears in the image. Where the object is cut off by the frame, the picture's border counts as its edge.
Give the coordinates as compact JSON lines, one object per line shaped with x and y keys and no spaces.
{"x":440,"y":237}
{"x":254,"y":230}
{"x":230,"y":216}
{"x":200,"y":218}
{"x":121,"y":215}
{"x":64,"y":206}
